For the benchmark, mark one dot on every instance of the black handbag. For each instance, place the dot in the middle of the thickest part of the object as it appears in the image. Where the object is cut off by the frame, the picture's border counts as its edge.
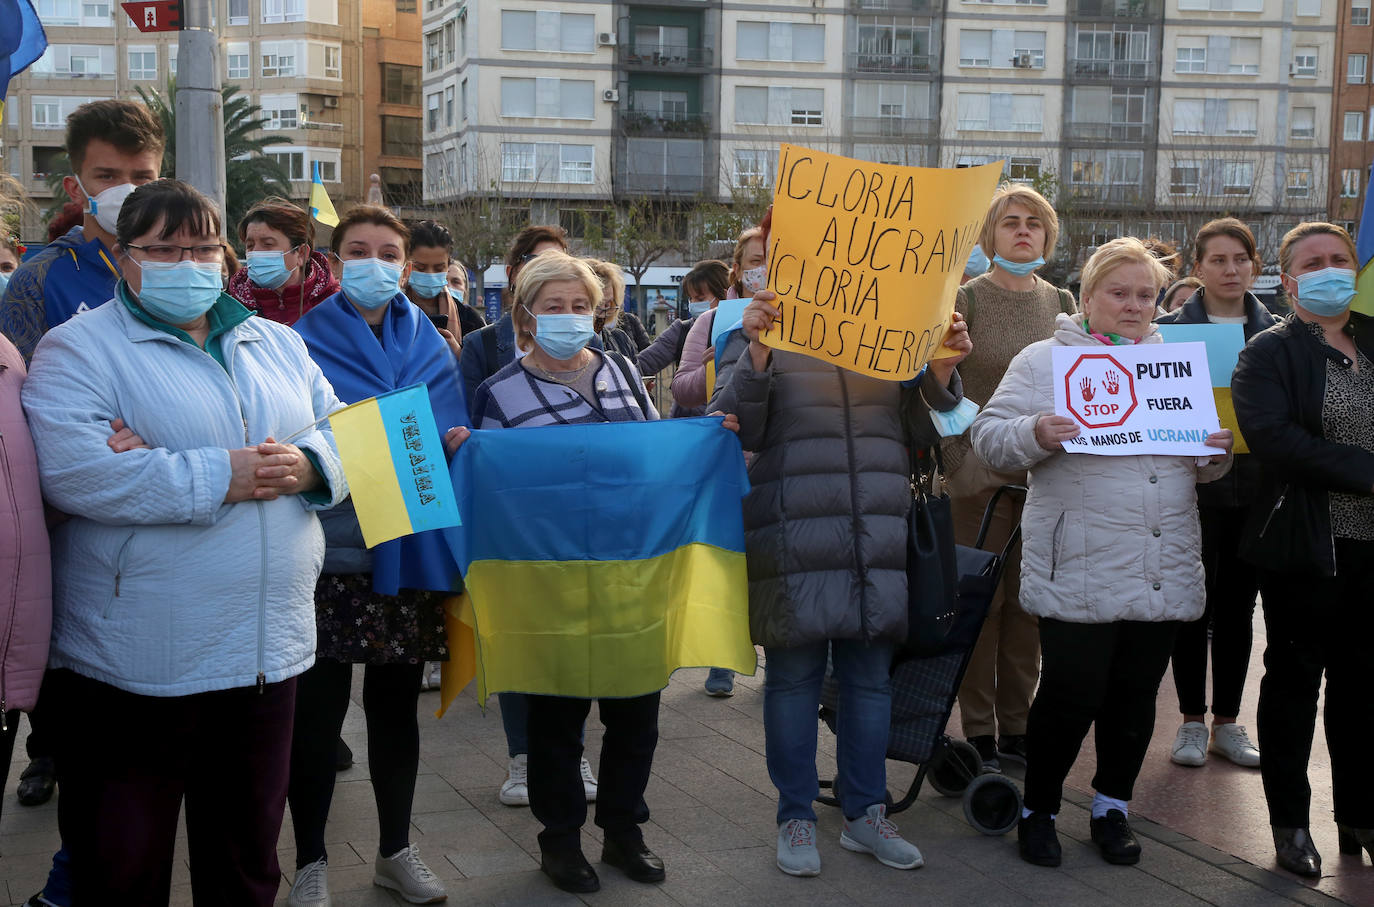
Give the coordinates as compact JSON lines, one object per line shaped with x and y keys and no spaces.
{"x":932,"y":573}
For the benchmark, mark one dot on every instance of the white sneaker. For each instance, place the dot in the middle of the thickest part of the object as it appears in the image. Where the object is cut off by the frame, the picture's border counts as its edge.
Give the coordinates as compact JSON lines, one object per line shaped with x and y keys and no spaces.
{"x":429,"y":680}
{"x":1231,"y":741}
{"x":588,"y":781}
{"x":406,"y":873}
{"x":310,"y":888}
{"x":1190,"y":746}
{"x":515,"y":790}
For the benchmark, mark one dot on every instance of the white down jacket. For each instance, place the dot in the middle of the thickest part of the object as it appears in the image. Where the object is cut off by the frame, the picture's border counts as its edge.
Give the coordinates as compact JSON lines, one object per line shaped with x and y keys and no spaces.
{"x":1104,"y":538}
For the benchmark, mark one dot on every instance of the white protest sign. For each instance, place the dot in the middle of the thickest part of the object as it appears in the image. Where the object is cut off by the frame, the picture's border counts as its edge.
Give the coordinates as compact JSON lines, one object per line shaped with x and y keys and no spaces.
{"x":1152,"y":398}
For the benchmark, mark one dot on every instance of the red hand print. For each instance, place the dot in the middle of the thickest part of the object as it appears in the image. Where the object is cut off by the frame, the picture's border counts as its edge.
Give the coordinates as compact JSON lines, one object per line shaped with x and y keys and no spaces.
{"x":1086,"y":386}
{"x":1112,"y":382}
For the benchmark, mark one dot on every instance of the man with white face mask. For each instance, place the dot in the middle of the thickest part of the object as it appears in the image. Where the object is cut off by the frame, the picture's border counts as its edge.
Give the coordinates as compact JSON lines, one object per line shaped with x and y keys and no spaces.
{"x":114,"y":146}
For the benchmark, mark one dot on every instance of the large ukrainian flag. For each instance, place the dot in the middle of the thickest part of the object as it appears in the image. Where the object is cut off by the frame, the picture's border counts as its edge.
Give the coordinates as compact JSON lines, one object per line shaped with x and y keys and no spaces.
{"x":1364,"y":249}
{"x":601,"y":558}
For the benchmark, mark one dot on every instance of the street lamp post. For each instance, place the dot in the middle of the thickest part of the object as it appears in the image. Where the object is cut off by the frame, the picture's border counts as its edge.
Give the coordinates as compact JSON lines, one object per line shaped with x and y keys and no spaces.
{"x":199,"y":104}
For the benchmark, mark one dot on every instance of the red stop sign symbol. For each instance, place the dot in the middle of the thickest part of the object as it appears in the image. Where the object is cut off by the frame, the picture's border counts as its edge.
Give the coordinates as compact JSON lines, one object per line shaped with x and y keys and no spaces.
{"x":1100,"y":391}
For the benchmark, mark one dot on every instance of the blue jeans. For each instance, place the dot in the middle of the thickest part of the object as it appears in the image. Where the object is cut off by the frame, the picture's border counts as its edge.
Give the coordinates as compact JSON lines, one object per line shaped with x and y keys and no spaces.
{"x":515,"y":713}
{"x":791,"y":699}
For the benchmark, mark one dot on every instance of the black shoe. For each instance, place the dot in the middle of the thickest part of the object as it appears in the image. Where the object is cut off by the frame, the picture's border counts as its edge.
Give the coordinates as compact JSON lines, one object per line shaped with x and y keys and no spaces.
{"x":634,"y":859}
{"x":1113,"y":836}
{"x":1038,"y":841}
{"x":1295,"y":851}
{"x":987,"y":752}
{"x":1013,"y":746}
{"x":570,"y":871}
{"x":343,"y":756}
{"x":37,"y":782}
{"x":1353,"y":839}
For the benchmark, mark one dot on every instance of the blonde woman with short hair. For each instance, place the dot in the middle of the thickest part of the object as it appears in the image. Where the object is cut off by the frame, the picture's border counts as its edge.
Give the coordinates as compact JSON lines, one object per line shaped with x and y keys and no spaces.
{"x":1110,"y":562}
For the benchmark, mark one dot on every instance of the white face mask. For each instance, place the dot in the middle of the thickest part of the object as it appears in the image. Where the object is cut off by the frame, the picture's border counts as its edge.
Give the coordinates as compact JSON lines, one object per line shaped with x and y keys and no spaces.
{"x":105,"y":206}
{"x":754,"y":279}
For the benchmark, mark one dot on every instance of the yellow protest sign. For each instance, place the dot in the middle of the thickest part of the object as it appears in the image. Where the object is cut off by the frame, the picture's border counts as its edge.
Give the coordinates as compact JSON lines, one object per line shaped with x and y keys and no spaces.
{"x":866,"y":258}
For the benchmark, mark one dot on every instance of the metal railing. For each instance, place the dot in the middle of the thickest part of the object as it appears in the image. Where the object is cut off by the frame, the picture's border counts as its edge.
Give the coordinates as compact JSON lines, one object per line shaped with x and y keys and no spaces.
{"x":1113,"y":69}
{"x":657,"y":122}
{"x":667,"y":56}
{"x":879,"y":62}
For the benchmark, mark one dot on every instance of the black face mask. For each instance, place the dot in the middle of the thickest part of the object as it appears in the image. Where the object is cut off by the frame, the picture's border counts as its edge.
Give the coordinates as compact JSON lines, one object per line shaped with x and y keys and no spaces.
{"x":440,"y":321}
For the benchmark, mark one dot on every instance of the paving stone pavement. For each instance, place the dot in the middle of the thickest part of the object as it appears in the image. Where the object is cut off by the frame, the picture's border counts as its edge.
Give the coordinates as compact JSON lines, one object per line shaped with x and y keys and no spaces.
{"x":712,"y":822}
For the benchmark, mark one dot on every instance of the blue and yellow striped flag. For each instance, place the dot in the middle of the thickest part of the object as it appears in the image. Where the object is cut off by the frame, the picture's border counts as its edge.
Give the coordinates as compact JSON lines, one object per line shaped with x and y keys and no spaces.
{"x":22,"y":41}
{"x":394,"y":460}
{"x":601,"y":558}
{"x":1364,"y":249}
{"x":321,"y":208}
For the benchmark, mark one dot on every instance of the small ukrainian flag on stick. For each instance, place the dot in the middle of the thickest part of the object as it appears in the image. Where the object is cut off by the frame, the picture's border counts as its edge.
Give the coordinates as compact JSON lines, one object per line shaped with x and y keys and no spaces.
{"x":321,"y":208}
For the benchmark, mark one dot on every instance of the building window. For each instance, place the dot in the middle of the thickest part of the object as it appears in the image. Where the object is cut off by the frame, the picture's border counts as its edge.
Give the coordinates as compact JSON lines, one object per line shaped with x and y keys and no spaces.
{"x":1299,"y":183}
{"x":1355,"y":68}
{"x":238,"y":12}
{"x":1185,"y":178}
{"x":1359,"y":12}
{"x":293,"y":162}
{"x":756,"y":105}
{"x":463,"y":101}
{"x":572,"y":99}
{"x":667,"y":105}
{"x":1239,"y":6}
{"x":1350,"y":184}
{"x":1121,"y":51}
{"x":143,"y":63}
{"x":1190,"y":57}
{"x":46,"y":114}
{"x":575,"y":164}
{"x":754,"y":168}
{"x":548,"y":31}
{"x":405,"y":6}
{"x":434,"y":102}
{"x":434,"y":54}
{"x":1237,"y":177}
{"x":547,"y":162}
{"x":891,"y":44}
{"x":787,"y":42}
{"x":333,"y":55}
{"x":400,"y":84}
{"x":278,"y":59}
{"x":279,"y":110}
{"x":401,"y":136}
{"x":1311,"y":8}
{"x":1352,"y":126}
{"x":1303,"y":124}
{"x":448,"y":106}
{"x":517,"y":162}
{"x":1000,"y":112}
{"x":1305,"y":62}
{"x":172,"y":50}
{"x":237,"y":60}
{"x":283,"y":10}
{"x":1023,"y":169}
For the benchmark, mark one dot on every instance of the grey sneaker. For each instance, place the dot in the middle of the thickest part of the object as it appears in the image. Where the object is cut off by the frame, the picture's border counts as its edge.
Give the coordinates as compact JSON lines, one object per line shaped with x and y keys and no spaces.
{"x":310,"y":888}
{"x":406,"y":873}
{"x":797,"y":853}
{"x":876,"y":834}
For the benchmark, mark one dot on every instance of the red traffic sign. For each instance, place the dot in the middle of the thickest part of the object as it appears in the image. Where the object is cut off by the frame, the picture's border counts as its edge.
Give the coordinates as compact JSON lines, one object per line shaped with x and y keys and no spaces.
{"x":1100,"y":391}
{"x":155,"y":15}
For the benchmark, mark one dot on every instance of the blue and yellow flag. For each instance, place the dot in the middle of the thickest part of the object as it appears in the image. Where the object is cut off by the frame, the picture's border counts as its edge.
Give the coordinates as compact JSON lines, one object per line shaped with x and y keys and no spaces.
{"x":21,"y":42}
{"x":1364,"y":249}
{"x":321,"y":208}
{"x":601,"y":558}
{"x":1224,"y":343}
{"x":395,"y":464}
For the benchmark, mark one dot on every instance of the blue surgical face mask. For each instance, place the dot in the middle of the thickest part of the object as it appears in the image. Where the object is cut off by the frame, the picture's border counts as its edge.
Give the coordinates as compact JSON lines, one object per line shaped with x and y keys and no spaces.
{"x":696,"y":308}
{"x":1018,"y":268}
{"x":4,"y":281}
{"x":268,"y":269}
{"x":456,"y":294}
{"x":370,"y":282}
{"x":562,"y":336}
{"x":178,"y":292}
{"x":427,"y":286}
{"x":1326,"y":293}
{"x":977,"y":262}
{"x":956,"y":421}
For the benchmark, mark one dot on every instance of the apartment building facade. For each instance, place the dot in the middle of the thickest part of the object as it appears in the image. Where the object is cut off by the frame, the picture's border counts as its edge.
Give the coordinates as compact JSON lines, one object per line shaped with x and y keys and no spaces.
{"x":1352,"y":113}
{"x":301,"y":61}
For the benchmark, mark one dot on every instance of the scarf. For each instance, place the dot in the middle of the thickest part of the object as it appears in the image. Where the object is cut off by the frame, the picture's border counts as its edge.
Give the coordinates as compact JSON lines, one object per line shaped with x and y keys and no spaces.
{"x":359,"y":366}
{"x":1109,"y":338}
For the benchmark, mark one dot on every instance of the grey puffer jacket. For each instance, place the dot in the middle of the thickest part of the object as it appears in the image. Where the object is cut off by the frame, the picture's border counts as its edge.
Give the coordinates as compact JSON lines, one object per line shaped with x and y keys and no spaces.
{"x":1103,"y":538}
{"x":826,"y":519}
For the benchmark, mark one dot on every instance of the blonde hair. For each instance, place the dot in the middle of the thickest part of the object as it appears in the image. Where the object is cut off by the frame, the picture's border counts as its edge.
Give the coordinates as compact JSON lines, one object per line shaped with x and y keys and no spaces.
{"x":1124,"y":251}
{"x":612,"y":284}
{"x":1312,"y":228}
{"x":737,"y":258}
{"x":546,"y":267}
{"x":1009,"y":194}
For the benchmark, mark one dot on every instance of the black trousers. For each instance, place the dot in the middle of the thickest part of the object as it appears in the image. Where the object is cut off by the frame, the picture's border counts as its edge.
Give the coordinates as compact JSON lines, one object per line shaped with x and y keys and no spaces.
{"x":390,"y":696}
{"x":557,"y":798}
{"x":1316,"y":625}
{"x":1231,"y":588}
{"x":1103,"y":675}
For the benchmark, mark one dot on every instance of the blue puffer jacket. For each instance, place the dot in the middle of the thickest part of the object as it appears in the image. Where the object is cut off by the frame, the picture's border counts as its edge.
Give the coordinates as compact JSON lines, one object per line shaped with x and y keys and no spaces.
{"x":160,"y":588}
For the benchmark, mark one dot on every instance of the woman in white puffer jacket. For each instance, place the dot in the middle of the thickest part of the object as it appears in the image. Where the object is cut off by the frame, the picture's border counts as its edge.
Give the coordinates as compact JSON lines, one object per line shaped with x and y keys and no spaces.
{"x":1110,"y":561}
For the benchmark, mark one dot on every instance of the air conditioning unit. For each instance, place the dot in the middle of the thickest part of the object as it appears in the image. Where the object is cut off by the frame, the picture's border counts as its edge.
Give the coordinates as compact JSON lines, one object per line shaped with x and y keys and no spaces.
{"x":330,"y":101}
{"x":605,"y":39}
{"x":1022,"y":61}
{"x":611,"y":95}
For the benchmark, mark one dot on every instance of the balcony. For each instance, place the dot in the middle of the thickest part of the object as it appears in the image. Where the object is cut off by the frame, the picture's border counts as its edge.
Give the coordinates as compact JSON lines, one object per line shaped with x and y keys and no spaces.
{"x":662,"y":122}
{"x":1116,"y":70}
{"x":1118,"y":9}
{"x":665,"y":165}
{"x":894,"y":63}
{"x":659,"y":181}
{"x":913,"y":7}
{"x":665,"y":56}
{"x":890,"y":127}
{"x":1113,"y":132}
{"x":1125,"y":193}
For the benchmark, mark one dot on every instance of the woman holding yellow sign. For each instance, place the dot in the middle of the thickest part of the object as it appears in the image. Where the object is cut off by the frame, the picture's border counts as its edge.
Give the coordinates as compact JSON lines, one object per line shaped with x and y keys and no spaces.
{"x":1110,"y":560}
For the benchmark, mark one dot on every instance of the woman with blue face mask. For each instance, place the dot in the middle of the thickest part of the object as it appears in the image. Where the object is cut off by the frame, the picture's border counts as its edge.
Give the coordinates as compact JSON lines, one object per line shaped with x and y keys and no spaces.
{"x":282,"y":276}
{"x":381,"y":607}
{"x":182,"y":601}
{"x":1304,"y":397}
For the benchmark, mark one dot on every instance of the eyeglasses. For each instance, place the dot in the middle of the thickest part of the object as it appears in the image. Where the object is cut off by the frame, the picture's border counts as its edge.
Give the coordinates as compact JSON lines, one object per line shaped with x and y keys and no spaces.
{"x":165,"y":252}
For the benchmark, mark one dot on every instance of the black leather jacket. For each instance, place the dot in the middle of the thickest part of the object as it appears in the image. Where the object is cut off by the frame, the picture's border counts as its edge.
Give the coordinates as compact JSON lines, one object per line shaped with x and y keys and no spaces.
{"x":1279,"y":389}
{"x":1239,"y":486}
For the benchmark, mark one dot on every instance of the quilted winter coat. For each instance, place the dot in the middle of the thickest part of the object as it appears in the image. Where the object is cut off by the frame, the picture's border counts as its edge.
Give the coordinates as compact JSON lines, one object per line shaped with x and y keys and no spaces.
{"x":826,"y":519}
{"x":1103,"y":538}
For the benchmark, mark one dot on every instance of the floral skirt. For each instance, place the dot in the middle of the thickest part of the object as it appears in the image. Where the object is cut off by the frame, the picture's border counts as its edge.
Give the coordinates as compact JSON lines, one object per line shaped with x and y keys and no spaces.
{"x":359,"y":626}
